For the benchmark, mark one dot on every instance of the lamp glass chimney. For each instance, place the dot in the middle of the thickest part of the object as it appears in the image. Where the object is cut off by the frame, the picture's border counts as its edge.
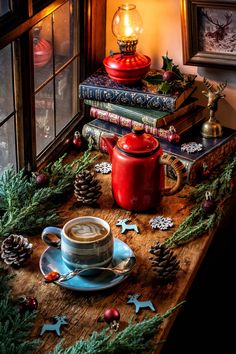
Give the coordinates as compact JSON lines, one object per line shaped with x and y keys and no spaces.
{"x":127,"y":24}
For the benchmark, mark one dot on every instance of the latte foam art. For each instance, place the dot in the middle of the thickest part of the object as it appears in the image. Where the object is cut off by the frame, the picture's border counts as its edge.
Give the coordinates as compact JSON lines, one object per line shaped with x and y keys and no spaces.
{"x":88,"y":231}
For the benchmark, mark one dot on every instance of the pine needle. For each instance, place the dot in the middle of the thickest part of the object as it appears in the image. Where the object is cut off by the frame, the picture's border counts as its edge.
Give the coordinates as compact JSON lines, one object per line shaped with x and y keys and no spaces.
{"x":134,"y":339}
{"x":221,"y":186}
{"x":25,"y":208}
{"x":14,"y":328}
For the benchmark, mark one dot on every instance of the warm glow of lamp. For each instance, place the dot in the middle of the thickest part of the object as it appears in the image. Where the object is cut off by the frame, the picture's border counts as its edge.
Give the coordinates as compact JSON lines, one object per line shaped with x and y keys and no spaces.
{"x":127,"y":23}
{"x":127,"y":67}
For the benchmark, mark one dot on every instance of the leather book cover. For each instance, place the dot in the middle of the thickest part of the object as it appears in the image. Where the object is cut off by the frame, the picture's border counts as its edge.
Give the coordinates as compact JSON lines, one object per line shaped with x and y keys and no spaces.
{"x":99,"y":86}
{"x":119,"y":114}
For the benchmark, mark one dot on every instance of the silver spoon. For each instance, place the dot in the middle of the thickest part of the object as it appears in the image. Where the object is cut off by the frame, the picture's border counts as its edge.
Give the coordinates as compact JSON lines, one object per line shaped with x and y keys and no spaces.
{"x":122,"y":268}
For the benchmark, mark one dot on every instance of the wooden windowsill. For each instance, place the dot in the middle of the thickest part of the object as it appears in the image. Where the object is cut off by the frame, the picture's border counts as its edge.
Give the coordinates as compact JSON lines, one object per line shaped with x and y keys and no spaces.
{"x":83,"y":309}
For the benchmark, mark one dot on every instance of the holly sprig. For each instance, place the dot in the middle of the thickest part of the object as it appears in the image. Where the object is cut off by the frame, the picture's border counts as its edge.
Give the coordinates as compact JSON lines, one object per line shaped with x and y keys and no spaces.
{"x":156,"y":82}
{"x":168,"y":64}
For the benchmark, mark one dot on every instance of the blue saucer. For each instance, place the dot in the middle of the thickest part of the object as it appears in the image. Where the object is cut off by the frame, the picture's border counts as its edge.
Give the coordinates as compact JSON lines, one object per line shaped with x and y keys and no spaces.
{"x":51,"y":260}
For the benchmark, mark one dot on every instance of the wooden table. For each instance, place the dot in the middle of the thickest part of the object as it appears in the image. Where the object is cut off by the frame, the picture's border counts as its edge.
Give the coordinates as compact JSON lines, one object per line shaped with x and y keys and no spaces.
{"x":84,"y":309}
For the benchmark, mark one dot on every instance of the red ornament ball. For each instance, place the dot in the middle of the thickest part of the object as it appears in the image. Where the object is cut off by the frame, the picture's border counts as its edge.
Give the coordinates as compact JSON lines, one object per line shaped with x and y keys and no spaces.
{"x":208,"y":203}
{"x":173,"y":138}
{"x":111,"y":314}
{"x":27,"y":303}
{"x":206,"y":173}
{"x":169,"y":76}
{"x":42,"y":180}
{"x":77,"y":140}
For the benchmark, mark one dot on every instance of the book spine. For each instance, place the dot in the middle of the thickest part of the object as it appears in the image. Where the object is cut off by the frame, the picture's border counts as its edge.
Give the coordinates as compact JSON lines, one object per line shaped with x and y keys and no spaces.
{"x":132,"y":98}
{"x":188,"y":121}
{"x":119,"y":120}
{"x":96,"y":133}
{"x":128,"y":123}
{"x":152,"y":118}
{"x":131,"y":113}
{"x":181,"y":125}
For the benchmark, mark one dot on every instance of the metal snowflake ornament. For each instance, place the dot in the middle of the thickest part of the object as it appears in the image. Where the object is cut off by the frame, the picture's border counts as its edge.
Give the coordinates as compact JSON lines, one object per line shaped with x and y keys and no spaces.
{"x":161,"y":223}
{"x":191,"y":147}
{"x":103,"y":167}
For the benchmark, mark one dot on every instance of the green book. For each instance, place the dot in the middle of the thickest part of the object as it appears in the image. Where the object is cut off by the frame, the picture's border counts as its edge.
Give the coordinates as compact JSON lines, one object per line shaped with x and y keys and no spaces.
{"x":150,"y":117}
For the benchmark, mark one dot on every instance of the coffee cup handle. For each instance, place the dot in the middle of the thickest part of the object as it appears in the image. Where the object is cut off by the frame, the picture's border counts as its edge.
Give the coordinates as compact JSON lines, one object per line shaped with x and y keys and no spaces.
{"x":53,"y":231}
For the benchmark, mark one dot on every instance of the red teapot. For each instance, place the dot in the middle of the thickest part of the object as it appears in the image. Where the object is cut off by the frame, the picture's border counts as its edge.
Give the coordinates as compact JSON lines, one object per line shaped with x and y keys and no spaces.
{"x":138,"y":174}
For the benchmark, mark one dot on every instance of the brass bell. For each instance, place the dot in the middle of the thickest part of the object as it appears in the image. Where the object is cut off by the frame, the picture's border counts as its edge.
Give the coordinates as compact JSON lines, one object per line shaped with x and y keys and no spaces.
{"x":212,"y":127}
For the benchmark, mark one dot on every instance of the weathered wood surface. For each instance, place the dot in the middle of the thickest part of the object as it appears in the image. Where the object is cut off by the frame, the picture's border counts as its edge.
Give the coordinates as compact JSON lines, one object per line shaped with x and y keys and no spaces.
{"x":84,"y":309}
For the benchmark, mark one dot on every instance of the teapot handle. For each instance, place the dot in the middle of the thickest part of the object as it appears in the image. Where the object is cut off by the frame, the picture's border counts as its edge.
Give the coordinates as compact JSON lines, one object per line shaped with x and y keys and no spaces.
{"x":180,"y":171}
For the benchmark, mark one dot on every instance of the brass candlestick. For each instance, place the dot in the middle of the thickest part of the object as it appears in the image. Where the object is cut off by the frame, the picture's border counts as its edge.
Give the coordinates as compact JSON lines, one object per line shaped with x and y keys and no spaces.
{"x":212,"y":128}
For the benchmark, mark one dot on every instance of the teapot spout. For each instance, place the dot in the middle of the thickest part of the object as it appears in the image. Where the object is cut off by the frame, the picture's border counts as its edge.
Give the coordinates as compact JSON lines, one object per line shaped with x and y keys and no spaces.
{"x":110,"y":141}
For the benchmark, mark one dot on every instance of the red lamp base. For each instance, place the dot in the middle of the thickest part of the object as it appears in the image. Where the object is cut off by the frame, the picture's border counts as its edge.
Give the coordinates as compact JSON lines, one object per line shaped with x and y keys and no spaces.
{"x":127,"y":69}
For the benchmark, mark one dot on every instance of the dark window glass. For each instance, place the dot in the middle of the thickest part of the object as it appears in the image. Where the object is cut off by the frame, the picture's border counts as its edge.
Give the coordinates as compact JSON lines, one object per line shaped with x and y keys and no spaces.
{"x":4,"y":7}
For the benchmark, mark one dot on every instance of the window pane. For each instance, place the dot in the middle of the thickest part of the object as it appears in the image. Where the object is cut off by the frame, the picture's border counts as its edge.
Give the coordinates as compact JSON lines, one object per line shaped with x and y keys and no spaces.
{"x":6,"y":94}
{"x":63,"y":34}
{"x":4,"y":7}
{"x":43,"y":51}
{"x":7,"y":145}
{"x":7,"y":118}
{"x":56,"y":73}
{"x":63,"y":98}
{"x":44,"y":114}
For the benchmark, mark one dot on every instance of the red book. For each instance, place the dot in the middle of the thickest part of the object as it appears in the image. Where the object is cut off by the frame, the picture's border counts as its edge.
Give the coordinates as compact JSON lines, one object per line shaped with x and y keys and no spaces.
{"x":182,"y":124}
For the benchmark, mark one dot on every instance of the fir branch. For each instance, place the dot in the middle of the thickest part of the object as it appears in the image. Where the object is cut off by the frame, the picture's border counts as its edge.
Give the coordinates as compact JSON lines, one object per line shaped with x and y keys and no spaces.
{"x":198,"y":222}
{"x":220,"y":185}
{"x":193,"y":227}
{"x":26,"y":208}
{"x":134,"y":339}
{"x":14,"y":328}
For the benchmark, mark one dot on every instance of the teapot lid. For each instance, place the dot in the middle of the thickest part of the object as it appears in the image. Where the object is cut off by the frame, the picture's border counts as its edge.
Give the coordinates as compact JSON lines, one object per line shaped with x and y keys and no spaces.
{"x":138,"y":143}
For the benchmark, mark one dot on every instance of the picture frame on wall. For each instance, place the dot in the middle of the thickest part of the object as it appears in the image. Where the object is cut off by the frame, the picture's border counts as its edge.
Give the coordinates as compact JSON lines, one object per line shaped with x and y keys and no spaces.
{"x":209,"y":33}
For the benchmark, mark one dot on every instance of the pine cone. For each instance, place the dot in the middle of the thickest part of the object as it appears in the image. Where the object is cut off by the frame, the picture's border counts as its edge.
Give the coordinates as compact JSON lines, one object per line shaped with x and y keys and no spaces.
{"x":15,"y":250}
{"x":87,"y":188}
{"x":164,"y":263}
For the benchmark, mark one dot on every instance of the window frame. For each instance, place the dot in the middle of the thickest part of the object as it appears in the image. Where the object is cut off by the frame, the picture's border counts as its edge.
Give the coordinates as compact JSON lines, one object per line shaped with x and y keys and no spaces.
{"x":92,"y":51}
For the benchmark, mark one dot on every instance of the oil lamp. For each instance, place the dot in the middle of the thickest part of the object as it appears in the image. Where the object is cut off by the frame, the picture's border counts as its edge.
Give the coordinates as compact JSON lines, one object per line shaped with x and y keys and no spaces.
{"x":127,"y":67}
{"x":42,"y":48}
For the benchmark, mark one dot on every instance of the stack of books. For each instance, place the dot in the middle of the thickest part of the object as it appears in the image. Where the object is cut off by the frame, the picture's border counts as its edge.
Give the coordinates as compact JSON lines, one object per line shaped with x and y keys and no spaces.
{"x":140,"y":105}
{"x":115,"y":109}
